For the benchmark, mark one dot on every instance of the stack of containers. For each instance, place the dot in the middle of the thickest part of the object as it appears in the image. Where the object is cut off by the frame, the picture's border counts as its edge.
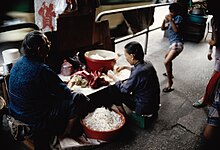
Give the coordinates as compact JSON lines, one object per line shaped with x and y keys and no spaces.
{"x":10,"y":55}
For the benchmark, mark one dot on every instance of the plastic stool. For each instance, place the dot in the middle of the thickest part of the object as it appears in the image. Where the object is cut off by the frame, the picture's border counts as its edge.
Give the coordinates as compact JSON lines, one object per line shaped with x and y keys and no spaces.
{"x":142,"y":121}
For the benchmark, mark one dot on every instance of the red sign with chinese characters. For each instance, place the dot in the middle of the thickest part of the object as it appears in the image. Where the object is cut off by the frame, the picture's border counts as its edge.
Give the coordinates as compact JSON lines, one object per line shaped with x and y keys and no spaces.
{"x":47,"y":13}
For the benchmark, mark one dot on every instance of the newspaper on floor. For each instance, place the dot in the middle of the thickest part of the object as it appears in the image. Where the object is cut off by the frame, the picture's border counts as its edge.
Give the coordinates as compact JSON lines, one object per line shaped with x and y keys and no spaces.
{"x":81,"y":141}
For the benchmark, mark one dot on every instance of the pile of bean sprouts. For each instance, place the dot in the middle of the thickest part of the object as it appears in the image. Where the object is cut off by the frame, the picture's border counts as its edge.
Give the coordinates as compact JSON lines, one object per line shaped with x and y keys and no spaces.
{"x":102,"y":119}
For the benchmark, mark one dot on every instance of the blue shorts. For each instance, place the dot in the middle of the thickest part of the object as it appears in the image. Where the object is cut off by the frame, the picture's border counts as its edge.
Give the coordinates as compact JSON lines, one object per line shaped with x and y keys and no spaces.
{"x":214,"y":114}
{"x":213,"y":121}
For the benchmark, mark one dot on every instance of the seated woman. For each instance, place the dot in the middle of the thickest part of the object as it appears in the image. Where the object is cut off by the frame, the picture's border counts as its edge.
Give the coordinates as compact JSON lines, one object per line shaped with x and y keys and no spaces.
{"x":141,"y":91}
{"x":39,"y":98}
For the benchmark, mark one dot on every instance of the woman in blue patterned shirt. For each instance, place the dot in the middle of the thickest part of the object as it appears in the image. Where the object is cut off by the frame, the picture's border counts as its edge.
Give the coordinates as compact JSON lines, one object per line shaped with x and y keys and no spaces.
{"x":38,"y":97}
{"x":141,"y":91}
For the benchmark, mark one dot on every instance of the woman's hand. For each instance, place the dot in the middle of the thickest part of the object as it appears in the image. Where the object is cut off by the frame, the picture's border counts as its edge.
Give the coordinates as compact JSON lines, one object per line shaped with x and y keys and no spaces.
{"x":110,"y":74}
{"x":118,"y":69}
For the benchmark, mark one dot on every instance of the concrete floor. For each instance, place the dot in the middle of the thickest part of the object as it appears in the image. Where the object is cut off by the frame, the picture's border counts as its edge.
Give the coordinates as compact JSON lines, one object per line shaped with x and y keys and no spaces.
{"x":179,"y":125}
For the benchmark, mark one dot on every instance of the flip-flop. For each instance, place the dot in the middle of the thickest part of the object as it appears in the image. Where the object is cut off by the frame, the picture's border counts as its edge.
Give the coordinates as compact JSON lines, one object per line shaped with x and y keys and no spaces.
{"x":168,"y":89}
{"x":165,"y":74}
{"x":198,"y":104}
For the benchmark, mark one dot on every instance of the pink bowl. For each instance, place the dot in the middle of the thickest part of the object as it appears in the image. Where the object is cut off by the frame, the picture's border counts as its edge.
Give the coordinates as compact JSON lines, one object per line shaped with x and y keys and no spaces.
{"x":105,"y":64}
{"x":103,"y":135}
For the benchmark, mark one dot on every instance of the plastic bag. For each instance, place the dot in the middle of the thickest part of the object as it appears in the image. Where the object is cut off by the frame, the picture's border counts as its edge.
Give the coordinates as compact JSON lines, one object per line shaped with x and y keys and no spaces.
{"x":60,"y":6}
{"x":66,"y":68}
{"x":77,"y":63}
{"x":19,"y":130}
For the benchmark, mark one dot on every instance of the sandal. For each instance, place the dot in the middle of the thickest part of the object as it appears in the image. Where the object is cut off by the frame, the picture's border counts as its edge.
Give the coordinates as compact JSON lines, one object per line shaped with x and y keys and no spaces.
{"x":198,"y":104}
{"x":165,"y":74}
{"x":168,"y":89}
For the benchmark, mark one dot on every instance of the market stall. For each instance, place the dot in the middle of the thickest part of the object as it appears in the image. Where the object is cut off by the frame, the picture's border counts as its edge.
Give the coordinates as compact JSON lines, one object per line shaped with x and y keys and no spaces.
{"x":71,"y":31}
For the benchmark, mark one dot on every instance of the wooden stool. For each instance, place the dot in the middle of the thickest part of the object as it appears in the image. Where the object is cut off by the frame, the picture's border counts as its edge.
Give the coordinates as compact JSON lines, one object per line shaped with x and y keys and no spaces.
{"x":29,"y":143}
{"x":24,"y":133}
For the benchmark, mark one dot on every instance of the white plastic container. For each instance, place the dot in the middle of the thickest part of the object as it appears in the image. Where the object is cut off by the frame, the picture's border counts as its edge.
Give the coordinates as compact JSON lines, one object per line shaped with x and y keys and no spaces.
{"x":10,"y":55}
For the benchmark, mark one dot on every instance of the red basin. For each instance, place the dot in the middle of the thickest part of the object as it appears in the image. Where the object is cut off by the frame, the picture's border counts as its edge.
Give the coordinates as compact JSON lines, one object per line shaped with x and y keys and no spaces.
{"x":103,"y":135}
{"x":102,"y":60}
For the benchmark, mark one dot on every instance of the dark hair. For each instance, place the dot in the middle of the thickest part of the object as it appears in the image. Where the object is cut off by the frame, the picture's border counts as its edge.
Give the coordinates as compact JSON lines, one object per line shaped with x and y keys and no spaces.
{"x":136,"y":49}
{"x":175,"y":7}
{"x":32,"y":42}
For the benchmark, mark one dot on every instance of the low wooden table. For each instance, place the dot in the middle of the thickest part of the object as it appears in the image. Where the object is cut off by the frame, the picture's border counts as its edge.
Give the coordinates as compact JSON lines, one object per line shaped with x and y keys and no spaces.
{"x":97,"y":96}
{"x":88,"y":90}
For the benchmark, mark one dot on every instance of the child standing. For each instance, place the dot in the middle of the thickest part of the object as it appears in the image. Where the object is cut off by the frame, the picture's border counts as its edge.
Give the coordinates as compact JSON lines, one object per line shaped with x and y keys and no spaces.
{"x":173,"y":24}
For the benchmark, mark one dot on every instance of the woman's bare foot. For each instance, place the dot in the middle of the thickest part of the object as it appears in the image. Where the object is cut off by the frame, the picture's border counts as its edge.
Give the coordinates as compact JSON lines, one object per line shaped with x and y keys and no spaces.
{"x":199,"y":103}
{"x":73,"y":128}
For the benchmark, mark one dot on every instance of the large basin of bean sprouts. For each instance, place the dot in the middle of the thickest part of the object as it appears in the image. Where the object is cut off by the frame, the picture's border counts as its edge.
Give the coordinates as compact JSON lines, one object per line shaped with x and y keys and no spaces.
{"x":103,"y":124}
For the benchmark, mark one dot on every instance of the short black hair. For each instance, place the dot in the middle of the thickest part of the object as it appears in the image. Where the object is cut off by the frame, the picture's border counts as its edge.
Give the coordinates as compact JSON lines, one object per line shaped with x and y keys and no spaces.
{"x":136,"y":49}
{"x":175,"y":7}
{"x":32,"y":41}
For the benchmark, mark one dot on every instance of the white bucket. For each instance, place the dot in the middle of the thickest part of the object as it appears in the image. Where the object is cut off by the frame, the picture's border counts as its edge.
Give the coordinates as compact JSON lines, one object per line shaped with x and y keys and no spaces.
{"x":10,"y":55}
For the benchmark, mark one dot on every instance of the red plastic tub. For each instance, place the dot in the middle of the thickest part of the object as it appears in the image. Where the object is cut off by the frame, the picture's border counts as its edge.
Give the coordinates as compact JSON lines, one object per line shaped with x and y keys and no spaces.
{"x":102,"y":60}
{"x":103,"y":135}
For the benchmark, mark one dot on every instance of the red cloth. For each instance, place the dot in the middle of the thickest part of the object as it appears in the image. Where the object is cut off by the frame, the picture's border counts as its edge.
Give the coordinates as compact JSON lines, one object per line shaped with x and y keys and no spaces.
{"x":210,"y":88}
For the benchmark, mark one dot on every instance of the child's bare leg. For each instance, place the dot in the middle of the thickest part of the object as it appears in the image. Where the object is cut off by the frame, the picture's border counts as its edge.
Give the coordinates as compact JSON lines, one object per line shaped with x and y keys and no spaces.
{"x":168,"y":66}
{"x":212,"y":42}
